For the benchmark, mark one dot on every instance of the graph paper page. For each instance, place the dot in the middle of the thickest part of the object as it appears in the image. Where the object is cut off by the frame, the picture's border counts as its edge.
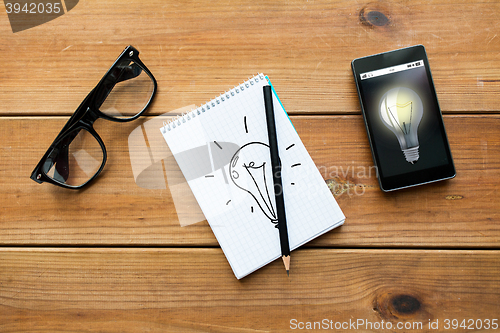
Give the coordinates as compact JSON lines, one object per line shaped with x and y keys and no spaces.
{"x":229,"y":134}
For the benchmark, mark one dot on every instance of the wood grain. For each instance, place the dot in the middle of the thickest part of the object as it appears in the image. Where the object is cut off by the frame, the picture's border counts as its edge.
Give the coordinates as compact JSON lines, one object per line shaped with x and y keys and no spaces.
{"x":462,"y":212}
{"x":165,"y":290}
{"x":113,"y":257}
{"x":198,"y":49}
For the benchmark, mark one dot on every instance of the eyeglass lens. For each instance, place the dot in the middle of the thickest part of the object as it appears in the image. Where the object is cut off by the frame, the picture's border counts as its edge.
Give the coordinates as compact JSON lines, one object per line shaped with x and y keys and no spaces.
{"x":75,"y":159}
{"x":131,"y":89}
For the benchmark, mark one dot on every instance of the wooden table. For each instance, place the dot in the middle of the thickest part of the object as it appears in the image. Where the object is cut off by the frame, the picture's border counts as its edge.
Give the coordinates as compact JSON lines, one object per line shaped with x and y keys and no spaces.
{"x":113,"y":258}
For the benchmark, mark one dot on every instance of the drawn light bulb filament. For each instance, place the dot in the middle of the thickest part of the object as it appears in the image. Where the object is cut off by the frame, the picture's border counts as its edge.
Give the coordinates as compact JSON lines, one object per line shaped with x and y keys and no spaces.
{"x":258,"y":175}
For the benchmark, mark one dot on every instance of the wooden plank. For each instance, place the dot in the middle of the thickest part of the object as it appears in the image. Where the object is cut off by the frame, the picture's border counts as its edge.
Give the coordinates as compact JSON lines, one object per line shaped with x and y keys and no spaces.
{"x":199,"y":49}
{"x":462,"y":212}
{"x":159,"y":290}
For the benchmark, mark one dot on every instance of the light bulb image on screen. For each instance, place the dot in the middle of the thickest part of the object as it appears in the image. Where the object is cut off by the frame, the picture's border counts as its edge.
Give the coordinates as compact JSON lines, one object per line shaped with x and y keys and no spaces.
{"x":401,"y":111}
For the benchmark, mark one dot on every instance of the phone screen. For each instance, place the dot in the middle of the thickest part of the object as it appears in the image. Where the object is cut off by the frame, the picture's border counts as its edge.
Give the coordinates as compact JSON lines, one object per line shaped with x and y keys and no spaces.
{"x":404,"y":121}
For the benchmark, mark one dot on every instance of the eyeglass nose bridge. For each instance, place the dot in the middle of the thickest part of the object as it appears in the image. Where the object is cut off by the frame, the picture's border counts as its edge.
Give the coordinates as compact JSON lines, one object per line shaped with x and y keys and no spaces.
{"x":89,"y":117}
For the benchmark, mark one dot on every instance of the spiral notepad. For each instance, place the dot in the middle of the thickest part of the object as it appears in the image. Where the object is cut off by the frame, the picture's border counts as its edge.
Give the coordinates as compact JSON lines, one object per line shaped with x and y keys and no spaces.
{"x":237,"y":197}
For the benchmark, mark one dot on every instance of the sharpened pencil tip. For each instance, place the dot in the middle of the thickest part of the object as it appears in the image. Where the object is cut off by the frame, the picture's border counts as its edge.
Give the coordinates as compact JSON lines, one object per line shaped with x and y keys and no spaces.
{"x":286,"y":261}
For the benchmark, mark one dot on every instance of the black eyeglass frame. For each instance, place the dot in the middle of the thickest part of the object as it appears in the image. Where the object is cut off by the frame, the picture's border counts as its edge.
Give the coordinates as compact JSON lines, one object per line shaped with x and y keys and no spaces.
{"x":88,"y":112}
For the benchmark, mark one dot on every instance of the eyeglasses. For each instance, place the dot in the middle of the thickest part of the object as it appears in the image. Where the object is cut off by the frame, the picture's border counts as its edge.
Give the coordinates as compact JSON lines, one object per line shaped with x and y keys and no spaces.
{"x":78,"y":154}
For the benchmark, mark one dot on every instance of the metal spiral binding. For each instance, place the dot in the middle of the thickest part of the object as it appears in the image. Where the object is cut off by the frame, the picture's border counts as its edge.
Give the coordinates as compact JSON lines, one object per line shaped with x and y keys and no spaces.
{"x":184,"y":117}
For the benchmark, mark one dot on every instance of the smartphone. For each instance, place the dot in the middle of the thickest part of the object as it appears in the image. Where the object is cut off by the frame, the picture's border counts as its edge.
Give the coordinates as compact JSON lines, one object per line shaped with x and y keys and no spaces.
{"x":403,"y":119}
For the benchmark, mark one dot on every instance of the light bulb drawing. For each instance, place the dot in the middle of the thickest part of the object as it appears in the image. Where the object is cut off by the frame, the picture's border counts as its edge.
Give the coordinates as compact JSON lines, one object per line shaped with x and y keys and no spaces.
{"x":250,"y":172}
{"x":401,"y":111}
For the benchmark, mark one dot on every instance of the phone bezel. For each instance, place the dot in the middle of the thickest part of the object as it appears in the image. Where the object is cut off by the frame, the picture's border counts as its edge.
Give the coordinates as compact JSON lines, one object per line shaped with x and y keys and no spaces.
{"x":389,"y":59}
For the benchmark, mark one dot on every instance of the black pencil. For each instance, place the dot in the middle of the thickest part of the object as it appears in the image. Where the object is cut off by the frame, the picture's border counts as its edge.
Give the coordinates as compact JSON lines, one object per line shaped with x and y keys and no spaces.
{"x":278,"y":187}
